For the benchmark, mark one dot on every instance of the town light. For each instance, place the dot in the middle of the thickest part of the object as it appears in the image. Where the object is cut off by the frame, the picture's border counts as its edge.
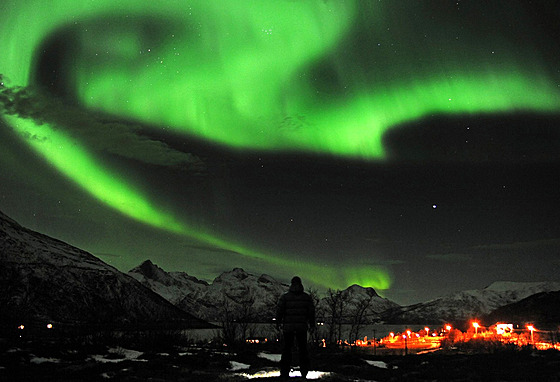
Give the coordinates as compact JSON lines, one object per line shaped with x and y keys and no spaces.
{"x":504,"y":329}
{"x":427,"y":331}
{"x":503,"y":332}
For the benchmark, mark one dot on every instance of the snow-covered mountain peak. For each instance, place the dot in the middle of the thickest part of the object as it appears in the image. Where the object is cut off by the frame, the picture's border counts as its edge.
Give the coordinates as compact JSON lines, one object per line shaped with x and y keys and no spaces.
{"x":235,"y":275}
{"x":173,"y":286}
{"x":152,"y":271}
{"x":266,"y":279}
{"x":508,"y":286}
{"x":360,"y":290}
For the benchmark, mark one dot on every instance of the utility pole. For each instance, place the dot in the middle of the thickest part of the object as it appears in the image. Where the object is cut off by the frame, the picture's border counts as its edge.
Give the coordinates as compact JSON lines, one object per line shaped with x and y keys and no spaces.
{"x":405,"y":344}
{"x":374,"y":342}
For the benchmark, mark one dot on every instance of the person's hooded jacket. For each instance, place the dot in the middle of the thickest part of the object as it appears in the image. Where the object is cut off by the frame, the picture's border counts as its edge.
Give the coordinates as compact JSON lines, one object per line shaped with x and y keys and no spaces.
{"x":295,"y":309}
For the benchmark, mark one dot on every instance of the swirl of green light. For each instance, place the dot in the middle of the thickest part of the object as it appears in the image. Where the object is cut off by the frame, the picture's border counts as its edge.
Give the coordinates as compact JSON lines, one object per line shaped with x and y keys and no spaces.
{"x":234,"y":74}
{"x":79,"y":165}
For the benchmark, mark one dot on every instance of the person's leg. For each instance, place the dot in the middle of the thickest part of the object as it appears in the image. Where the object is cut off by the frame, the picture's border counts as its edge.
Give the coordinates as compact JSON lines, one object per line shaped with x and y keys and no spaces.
{"x":286,"y":360}
{"x":303,"y":352}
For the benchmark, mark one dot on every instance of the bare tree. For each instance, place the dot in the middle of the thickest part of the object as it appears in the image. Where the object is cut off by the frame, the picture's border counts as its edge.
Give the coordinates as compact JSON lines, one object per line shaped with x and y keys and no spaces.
{"x":228,"y":321}
{"x":336,"y":305}
{"x":358,"y":317}
{"x":237,"y":318}
{"x":245,"y":315}
{"x":315,"y":333}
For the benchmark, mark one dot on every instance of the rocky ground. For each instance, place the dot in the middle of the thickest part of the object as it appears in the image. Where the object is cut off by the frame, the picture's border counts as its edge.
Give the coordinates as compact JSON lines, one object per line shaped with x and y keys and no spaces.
{"x":64,"y":361}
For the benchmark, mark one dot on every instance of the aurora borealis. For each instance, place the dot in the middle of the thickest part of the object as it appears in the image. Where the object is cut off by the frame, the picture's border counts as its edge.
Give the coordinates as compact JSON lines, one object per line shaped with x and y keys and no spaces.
{"x":342,"y":140}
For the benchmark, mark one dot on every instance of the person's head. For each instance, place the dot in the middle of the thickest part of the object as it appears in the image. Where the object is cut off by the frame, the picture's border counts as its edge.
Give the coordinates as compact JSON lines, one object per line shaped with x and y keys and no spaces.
{"x":296,"y":280}
{"x":296,"y":286}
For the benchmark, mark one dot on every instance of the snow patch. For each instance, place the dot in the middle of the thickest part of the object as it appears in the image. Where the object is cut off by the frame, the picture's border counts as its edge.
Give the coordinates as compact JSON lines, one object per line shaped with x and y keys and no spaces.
{"x":270,"y":357}
{"x":39,"y":360}
{"x":124,"y":355}
{"x":379,"y":364}
{"x":235,"y":366}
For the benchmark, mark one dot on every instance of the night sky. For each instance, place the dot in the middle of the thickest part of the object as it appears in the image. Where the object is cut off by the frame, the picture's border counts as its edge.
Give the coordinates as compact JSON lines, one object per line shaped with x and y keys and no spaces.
{"x":411,"y":146}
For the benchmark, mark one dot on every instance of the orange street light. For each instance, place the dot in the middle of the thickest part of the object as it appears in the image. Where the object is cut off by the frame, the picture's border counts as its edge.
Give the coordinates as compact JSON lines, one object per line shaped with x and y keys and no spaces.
{"x":532,"y":329}
{"x":475,"y":325}
{"x":427,"y":331}
{"x":448,"y":327}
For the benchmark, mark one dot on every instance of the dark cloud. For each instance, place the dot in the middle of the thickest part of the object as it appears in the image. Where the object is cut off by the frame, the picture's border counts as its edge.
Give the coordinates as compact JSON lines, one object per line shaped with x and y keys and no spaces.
{"x":522,"y":244}
{"x":122,"y":138}
{"x":450,"y":257}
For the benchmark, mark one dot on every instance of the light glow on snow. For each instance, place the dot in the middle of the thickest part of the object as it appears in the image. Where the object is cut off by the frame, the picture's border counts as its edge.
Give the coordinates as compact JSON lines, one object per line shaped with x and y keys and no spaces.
{"x":293,"y":374}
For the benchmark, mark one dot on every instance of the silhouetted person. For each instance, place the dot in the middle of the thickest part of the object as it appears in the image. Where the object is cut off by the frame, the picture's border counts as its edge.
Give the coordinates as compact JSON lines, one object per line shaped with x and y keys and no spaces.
{"x":295,"y":314}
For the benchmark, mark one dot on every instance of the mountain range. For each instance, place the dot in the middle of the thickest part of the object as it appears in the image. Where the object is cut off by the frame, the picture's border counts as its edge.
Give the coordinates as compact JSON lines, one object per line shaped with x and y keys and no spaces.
{"x":470,"y":304}
{"x":238,"y":288}
{"x":241,"y":293}
{"x":44,"y":279}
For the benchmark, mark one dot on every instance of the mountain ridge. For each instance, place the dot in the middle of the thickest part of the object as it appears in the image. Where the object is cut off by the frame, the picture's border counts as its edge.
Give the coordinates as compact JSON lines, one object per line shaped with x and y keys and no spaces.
{"x":469,"y":304}
{"x":238,"y":289}
{"x":48,"y":280}
{"x":456,"y":307}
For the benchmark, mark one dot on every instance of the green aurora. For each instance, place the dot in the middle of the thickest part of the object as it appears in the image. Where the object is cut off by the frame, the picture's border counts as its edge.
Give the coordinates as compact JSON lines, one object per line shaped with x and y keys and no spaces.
{"x":243,"y":74}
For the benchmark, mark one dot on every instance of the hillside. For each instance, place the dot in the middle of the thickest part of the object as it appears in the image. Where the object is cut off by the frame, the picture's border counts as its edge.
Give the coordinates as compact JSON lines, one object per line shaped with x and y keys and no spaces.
{"x":541,"y":309}
{"x":46,"y":280}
